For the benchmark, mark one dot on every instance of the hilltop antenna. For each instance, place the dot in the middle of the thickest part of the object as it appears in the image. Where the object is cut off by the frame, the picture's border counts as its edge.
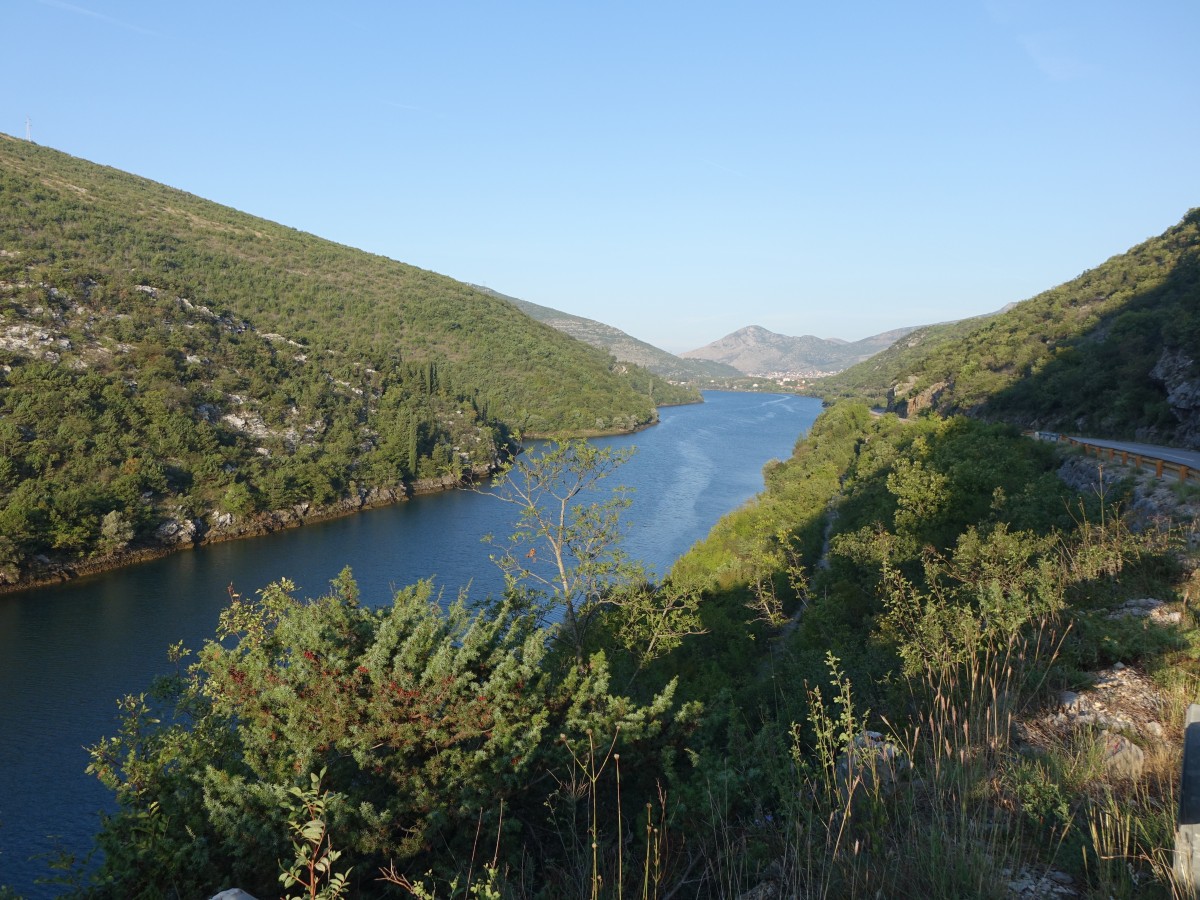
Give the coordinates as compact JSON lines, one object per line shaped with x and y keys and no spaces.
{"x":28,"y":130}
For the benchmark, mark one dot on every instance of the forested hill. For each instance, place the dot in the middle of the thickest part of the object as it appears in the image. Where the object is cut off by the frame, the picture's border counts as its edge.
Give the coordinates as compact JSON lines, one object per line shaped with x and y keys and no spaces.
{"x":623,"y":346}
{"x":1114,"y":352}
{"x":170,"y":366}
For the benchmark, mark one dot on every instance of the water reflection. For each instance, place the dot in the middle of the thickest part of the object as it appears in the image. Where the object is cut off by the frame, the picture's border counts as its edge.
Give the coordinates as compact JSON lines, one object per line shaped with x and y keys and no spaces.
{"x":68,"y":652}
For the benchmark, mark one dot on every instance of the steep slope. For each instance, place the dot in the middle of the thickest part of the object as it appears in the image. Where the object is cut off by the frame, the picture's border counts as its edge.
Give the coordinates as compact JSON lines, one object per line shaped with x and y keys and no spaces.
{"x":756,"y":351}
{"x":1113,"y":352}
{"x":170,"y":367}
{"x":873,"y":378}
{"x":623,"y":346}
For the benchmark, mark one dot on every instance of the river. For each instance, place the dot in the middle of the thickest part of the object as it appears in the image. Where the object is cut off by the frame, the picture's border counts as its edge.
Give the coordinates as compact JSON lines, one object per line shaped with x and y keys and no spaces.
{"x":67,"y":652}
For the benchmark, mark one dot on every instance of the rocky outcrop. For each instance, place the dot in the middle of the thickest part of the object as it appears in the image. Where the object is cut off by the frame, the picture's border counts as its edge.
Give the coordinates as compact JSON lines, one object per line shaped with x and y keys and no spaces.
{"x":180,"y":531}
{"x":904,"y":406}
{"x":1121,"y":706}
{"x":1179,"y":375}
{"x":1087,"y":475}
{"x":1155,"y":502}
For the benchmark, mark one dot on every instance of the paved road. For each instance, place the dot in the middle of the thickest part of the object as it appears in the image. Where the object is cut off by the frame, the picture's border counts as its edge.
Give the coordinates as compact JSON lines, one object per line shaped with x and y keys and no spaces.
{"x":1189,"y":458}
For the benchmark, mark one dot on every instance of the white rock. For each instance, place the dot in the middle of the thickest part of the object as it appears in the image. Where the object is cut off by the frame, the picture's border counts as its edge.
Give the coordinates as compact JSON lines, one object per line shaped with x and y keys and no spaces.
{"x":1122,"y":757}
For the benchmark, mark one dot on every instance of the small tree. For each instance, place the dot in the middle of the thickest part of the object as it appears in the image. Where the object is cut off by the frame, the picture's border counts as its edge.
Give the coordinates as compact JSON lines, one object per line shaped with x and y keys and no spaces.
{"x":10,"y":561}
{"x":570,"y":549}
{"x":116,"y":532}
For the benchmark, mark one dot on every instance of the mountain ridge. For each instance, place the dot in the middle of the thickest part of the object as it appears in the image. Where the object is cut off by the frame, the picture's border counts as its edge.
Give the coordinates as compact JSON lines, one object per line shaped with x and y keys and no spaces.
{"x":755,"y":350}
{"x":620,"y":344}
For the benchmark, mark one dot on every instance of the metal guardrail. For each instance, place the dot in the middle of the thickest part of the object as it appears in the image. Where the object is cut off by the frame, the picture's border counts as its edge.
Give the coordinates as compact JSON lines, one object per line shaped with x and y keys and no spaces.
{"x":1162,"y":467}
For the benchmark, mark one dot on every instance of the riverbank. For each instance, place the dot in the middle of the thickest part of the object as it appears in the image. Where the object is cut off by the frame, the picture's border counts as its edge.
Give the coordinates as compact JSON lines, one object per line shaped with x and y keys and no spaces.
{"x":181,"y":533}
{"x":70,"y":650}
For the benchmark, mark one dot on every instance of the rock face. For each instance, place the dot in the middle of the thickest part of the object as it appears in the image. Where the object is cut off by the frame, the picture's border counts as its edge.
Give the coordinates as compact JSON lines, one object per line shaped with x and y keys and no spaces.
{"x":871,"y":765}
{"x":1039,"y":882}
{"x":174,"y":532}
{"x":1120,"y":705}
{"x":1147,"y":608}
{"x":1179,"y":374}
{"x":903,"y":405}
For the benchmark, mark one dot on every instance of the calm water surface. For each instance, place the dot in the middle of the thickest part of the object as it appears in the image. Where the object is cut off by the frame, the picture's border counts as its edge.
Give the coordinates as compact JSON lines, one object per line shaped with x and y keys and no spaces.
{"x":68,"y":652}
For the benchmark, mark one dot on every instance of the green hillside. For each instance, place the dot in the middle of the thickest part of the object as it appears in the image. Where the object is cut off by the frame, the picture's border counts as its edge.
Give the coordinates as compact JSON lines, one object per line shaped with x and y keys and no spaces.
{"x":169,"y":366}
{"x":852,"y":687}
{"x":1112,"y":352}
{"x":877,"y":377}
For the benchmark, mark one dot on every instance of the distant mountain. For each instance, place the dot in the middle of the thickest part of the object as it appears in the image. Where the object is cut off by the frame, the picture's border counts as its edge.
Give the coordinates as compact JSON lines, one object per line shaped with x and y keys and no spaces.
{"x":756,"y":351}
{"x":1114,"y":352}
{"x":621,"y":345}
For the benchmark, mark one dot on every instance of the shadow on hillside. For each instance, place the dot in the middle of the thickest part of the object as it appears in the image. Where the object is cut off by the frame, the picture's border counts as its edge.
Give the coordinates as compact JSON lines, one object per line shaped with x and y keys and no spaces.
{"x":1113,"y":377}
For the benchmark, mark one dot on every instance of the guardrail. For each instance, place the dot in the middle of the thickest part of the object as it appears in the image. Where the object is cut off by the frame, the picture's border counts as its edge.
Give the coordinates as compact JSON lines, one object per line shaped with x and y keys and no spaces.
{"x":1187,"y":823}
{"x":1162,"y":467}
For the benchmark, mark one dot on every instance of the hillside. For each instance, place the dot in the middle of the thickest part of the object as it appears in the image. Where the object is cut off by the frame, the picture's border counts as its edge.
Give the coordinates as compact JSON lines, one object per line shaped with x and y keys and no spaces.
{"x":622,"y":346}
{"x":918,"y":627}
{"x":873,"y":378}
{"x":171,"y":368}
{"x":756,"y":351}
{"x":1110,"y":353}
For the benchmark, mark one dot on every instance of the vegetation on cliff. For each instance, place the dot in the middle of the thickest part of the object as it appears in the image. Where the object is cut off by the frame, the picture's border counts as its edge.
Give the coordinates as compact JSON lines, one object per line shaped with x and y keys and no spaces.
{"x":1112,"y":352}
{"x":168,"y":365}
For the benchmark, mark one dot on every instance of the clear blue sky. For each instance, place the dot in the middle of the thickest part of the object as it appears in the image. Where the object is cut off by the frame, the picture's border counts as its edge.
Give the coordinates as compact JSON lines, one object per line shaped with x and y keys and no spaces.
{"x":678,"y":170}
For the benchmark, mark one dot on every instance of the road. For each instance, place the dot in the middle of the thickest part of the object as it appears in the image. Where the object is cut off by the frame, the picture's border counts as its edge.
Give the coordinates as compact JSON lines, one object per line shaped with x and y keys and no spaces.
{"x":1189,"y":458}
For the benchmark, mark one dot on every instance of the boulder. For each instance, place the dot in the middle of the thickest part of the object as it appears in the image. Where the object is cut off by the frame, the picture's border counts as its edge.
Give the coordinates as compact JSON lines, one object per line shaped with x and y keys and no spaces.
{"x":1122,"y":757}
{"x":177,"y":531}
{"x":870,"y":765}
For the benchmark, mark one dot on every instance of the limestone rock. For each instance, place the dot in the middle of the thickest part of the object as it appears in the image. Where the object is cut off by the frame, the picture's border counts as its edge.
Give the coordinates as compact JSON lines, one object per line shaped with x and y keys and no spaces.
{"x":178,"y":531}
{"x":766,"y":890}
{"x":1147,"y":608}
{"x":1122,"y":757}
{"x":1030,"y":882}
{"x":871,"y":764}
{"x":1178,"y":373}
{"x":1140,"y":608}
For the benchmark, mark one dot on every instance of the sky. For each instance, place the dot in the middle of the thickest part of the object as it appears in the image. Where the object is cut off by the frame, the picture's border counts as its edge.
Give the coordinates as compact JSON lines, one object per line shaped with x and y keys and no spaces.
{"x":677,"y":170}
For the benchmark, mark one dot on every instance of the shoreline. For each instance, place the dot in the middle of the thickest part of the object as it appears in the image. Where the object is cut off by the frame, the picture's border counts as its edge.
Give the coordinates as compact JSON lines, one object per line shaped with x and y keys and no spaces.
{"x":53,"y":572}
{"x":259,"y":525}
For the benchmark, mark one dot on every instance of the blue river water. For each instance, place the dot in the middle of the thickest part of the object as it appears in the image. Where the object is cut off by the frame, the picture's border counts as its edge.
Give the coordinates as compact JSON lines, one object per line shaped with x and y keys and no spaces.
{"x":68,"y":652}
